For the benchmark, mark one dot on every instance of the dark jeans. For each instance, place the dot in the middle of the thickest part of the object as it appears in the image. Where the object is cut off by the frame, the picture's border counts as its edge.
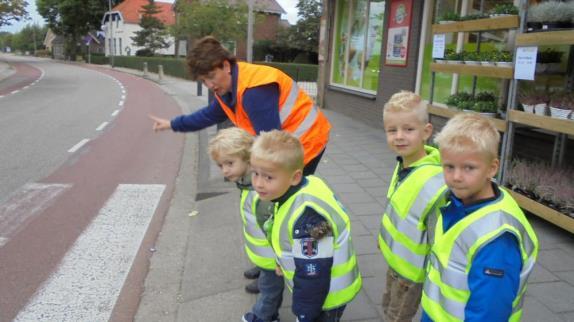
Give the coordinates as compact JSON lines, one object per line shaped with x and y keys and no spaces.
{"x":333,"y":315}
{"x":270,"y":295}
{"x":312,"y":165}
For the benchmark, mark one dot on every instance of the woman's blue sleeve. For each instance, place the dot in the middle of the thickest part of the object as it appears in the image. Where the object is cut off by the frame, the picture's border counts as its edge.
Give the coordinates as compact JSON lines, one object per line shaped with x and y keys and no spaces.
{"x":261,"y":104}
{"x":198,"y":120}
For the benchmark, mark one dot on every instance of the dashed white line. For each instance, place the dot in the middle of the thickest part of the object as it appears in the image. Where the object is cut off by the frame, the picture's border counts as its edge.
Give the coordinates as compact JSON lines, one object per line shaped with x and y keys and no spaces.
{"x":121,"y":103}
{"x":102,"y":126}
{"x":27,"y":202}
{"x":14,"y":92}
{"x":115,"y":112}
{"x":86,"y":285}
{"x":78,"y":146}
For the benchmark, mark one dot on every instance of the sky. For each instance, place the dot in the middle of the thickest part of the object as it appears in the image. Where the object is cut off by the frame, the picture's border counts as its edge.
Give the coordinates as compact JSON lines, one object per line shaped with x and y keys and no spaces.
{"x":288,"y":6}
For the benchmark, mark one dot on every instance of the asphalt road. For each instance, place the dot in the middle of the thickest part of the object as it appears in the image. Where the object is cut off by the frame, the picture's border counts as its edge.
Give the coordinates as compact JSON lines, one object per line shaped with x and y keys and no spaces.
{"x":84,"y":187}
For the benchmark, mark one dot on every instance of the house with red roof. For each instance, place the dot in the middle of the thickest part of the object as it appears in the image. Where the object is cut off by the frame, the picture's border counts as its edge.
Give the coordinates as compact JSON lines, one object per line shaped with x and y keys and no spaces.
{"x":121,"y":24}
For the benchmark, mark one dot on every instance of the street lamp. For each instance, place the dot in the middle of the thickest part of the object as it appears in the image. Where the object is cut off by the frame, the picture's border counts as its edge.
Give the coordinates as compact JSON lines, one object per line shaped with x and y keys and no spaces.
{"x":250,"y":32}
{"x":110,"y":18}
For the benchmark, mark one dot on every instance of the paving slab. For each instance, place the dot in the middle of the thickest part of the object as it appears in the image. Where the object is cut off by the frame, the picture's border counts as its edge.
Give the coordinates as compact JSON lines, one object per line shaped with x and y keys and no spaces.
{"x":541,"y":275}
{"x":557,"y":296}
{"x":556,"y":260}
{"x":535,"y":311}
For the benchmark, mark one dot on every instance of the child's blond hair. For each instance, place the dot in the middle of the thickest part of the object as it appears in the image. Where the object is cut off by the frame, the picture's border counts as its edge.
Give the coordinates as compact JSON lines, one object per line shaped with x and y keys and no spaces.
{"x":469,"y":132}
{"x":232,"y":141}
{"x":280,"y":148}
{"x":406,"y":101}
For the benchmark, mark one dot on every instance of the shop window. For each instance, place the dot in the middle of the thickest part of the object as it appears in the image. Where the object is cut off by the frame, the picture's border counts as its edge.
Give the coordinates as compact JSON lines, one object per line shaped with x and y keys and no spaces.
{"x":356,"y":51}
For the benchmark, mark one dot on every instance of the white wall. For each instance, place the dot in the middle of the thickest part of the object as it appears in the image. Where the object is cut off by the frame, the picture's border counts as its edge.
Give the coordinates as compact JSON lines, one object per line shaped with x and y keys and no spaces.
{"x":125,"y":31}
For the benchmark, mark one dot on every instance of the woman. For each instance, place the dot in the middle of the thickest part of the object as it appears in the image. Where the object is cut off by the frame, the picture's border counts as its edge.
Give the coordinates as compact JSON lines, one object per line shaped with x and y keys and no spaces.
{"x":253,"y":97}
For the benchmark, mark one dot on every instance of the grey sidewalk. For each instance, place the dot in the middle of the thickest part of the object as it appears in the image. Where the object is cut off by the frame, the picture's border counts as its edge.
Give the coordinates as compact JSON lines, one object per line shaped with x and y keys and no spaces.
{"x":196,"y":273}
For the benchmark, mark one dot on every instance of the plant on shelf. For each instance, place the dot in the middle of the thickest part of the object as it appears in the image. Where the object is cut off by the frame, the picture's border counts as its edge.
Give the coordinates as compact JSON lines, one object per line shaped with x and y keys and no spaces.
{"x":448,"y":17}
{"x":471,"y":57}
{"x":504,"y":9}
{"x":487,"y":108}
{"x":454,"y":100}
{"x":560,"y":104}
{"x":542,"y":183}
{"x":503,"y":58}
{"x":548,"y":60}
{"x":474,"y":17}
{"x":486,"y":97}
{"x":550,"y":15}
{"x":453,"y":57}
{"x":486,"y":58}
{"x":466,"y":106}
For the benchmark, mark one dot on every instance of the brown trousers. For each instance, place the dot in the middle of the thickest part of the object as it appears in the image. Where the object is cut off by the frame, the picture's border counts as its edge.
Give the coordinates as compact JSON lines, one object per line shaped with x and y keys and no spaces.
{"x":401,"y":298}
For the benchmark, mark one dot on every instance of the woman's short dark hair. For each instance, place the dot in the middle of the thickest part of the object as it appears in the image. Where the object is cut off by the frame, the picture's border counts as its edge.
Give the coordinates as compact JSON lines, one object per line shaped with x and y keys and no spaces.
{"x":206,"y":55}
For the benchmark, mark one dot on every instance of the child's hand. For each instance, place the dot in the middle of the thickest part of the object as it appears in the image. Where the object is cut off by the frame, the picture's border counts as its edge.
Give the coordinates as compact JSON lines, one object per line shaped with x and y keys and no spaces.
{"x":160,"y":124}
{"x":278,"y":271}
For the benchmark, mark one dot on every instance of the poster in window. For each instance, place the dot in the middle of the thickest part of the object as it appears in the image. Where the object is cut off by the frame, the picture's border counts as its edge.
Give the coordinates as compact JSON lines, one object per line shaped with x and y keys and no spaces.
{"x":399,"y":30}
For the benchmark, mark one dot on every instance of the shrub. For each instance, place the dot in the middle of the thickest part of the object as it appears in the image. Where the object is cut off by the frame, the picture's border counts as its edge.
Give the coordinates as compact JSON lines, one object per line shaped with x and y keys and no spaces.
{"x":299,"y":72}
{"x":449,"y":16}
{"x":486,"y":97}
{"x":505,"y":8}
{"x":485,"y":107}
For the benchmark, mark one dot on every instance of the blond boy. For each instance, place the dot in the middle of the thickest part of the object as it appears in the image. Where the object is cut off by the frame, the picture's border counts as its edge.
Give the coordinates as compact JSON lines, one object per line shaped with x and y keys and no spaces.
{"x":415,"y":187}
{"x":483,"y":246}
{"x":230,"y":149}
{"x":310,"y":231}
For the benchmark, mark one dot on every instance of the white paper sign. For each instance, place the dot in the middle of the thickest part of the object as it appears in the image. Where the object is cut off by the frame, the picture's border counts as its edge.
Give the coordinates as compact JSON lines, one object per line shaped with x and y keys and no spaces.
{"x":525,"y":63}
{"x":438,"y":44}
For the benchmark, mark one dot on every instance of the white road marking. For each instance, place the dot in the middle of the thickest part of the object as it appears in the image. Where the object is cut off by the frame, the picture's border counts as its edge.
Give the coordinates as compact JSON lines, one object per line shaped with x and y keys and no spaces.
{"x":123,"y":97}
{"x":27,"y":202}
{"x":121,"y":103}
{"x":86,"y":285}
{"x":102,"y":126}
{"x":115,"y":112}
{"x":14,"y":92}
{"x":78,"y":145}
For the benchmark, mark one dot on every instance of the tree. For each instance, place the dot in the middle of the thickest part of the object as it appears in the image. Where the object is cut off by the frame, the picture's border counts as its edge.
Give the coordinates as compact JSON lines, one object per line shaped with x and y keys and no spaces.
{"x":12,"y":10}
{"x":73,"y":18}
{"x":28,"y":37}
{"x":304,"y":35}
{"x":5,"y":40}
{"x":153,"y":34}
{"x":215,"y":17}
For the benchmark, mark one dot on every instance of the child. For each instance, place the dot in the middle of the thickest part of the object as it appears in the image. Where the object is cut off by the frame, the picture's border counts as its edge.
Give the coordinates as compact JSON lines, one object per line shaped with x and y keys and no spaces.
{"x":310,"y":231}
{"x":484,"y":248}
{"x":230,"y":149}
{"x":415,"y":187}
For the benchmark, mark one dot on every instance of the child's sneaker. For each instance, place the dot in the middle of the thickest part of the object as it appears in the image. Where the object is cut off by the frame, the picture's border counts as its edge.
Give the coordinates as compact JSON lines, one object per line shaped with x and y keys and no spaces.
{"x":250,"y":317}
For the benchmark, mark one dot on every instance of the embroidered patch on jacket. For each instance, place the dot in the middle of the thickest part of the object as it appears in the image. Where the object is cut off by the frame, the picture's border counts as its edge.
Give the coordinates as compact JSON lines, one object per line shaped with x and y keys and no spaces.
{"x":493,"y":272}
{"x":310,"y":269}
{"x":309,"y":247}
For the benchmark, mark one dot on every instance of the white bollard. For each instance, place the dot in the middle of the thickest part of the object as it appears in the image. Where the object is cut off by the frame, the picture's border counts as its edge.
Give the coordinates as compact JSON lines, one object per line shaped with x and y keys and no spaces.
{"x":145,"y":70}
{"x":160,"y":74}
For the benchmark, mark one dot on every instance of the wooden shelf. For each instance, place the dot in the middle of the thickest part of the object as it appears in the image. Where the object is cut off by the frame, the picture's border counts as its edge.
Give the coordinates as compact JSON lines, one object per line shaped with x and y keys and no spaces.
{"x":488,"y":71}
{"x":546,"y":38}
{"x":543,"y":122}
{"x":506,"y":22}
{"x":557,"y":218}
{"x":449,"y":112}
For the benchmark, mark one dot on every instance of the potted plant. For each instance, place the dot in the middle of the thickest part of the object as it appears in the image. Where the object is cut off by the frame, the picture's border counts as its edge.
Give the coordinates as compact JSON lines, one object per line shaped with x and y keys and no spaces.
{"x":474,"y":17}
{"x":454,"y":100}
{"x":448,"y":17}
{"x":559,"y":105}
{"x":453,"y":58}
{"x":548,"y":60}
{"x":486,"y":108}
{"x":550,"y":15}
{"x":466,"y":106}
{"x":504,"y":9}
{"x":528,"y":98}
{"x":503,"y":58}
{"x":486,"y":58}
{"x":540,"y":107}
{"x":486,"y":97}
{"x":471,"y":58}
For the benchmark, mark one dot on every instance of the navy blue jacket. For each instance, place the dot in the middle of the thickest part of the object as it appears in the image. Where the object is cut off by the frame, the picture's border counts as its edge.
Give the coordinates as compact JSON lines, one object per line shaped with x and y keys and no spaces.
{"x":312,"y":274}
{"x":491,"y":294}
{"x":260,"y":103}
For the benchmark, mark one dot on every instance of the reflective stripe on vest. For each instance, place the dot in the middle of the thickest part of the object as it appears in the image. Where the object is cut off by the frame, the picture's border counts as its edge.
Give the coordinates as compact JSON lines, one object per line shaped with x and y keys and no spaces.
{"x":446,"y":291}
{"x":403,"y":235}
{"x":345,"y":277}
{"x":257,"y":246}
{"x":297,"y":112}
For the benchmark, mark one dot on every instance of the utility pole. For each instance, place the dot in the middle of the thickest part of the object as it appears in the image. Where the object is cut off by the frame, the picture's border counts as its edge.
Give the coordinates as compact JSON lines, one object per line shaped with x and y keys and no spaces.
{"x":250,"y":32}
{"x":34,"y":36}
{"x":111,"y":44}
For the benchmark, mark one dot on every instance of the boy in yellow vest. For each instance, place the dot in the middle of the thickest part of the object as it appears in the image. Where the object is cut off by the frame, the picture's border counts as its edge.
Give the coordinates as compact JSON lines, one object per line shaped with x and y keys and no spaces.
{"x":483,"y":247}
{"x":310,"y":230}
{"x":415,"y":188}
{"x":230,"y":149}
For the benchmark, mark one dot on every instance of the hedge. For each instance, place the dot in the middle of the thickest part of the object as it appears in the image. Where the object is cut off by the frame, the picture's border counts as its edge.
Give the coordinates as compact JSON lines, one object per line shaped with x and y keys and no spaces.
{"x":177,"y":66}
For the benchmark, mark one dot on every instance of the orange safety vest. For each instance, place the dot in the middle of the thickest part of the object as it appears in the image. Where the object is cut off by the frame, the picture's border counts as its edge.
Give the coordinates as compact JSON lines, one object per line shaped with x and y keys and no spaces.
{"x":298,"y":115}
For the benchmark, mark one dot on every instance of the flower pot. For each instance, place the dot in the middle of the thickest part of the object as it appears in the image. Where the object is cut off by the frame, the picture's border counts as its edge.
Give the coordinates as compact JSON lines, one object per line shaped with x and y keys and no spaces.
{"x":540,"y":109}
{"x":445,"y":22}
{"x":506,"y":64}
{"x":559,"y":113}
{"x":528,"y":108}
{"x":456,"y":62}
{"x":440,"y":61}
{"x":471,"y":62}
{"x":489,"y":115}
{"x":487,"y":63}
